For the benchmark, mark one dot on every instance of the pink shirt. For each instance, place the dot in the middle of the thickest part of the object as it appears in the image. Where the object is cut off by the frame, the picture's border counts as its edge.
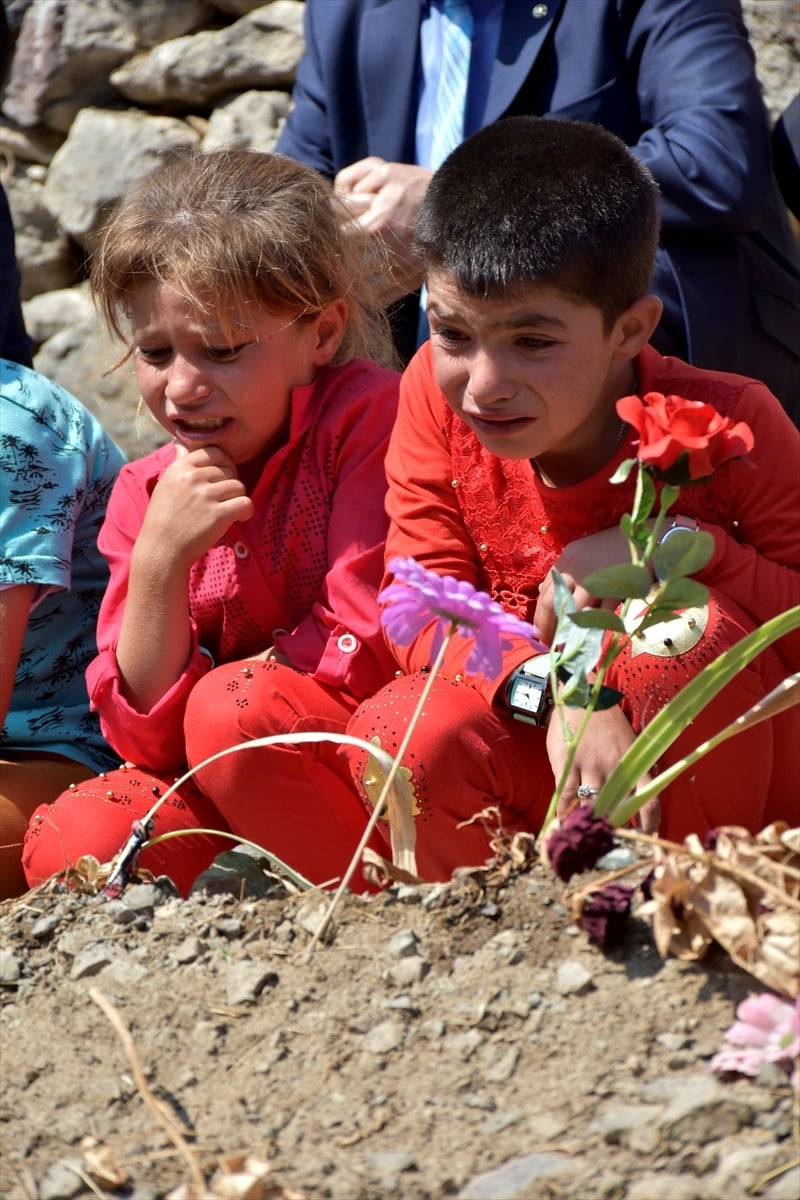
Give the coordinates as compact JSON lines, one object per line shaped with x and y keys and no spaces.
{"x":302,"y":574}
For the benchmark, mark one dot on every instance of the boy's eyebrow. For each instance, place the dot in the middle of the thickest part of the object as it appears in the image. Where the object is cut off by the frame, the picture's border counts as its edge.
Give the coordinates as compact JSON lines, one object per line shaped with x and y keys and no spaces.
{"x":515,"y":321}
{"x":533,"y":318}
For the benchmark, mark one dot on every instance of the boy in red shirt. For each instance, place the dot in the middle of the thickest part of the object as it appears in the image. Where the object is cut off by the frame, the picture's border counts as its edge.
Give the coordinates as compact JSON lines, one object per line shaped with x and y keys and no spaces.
{"x":539,"y":238}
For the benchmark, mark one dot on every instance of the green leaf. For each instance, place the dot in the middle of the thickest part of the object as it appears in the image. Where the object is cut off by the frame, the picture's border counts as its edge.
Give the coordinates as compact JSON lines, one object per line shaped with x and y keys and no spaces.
{"x":644,"y":499}
{"x":666,"y":726}
{"x":626,"y":525}
{"x":597,"y":618}
{"x":623,"y":471}
{"x":682,"y":593}
{"x":581,"y":645}
{"x":625,"y":581}
{"x":576,"y":691}
{"x":684,"y":553}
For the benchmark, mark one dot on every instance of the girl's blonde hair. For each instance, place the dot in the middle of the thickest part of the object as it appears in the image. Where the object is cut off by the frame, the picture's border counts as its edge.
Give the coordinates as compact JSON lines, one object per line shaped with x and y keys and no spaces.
{"x":235,"y":227}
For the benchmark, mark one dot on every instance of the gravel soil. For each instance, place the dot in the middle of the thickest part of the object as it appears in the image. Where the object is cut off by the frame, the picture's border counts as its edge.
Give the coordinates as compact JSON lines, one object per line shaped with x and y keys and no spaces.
{"x":462,"y":1040}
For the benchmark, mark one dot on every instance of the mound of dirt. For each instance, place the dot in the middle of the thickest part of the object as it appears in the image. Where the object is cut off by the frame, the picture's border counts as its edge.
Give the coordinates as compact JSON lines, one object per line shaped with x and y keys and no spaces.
{"x":462,"y":1040}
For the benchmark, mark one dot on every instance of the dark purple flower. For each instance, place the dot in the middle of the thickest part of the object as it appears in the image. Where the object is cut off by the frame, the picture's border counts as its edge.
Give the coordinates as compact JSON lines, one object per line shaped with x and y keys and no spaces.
{"x":580,"y":840}
{"x":605,"y":913}
{"x":710,"y":839}
{"x":418,"y":596}
{"x":128,"y":859}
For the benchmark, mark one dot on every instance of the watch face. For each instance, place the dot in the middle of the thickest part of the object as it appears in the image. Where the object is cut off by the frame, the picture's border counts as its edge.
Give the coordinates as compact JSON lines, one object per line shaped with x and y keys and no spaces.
{"x":527,"y":694}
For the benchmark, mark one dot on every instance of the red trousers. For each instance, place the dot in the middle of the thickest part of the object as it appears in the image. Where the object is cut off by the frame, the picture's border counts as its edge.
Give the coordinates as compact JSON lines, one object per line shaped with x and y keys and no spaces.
{"x":465,"y":755}
{"x":298,"y":802}
{"x":309,"y":804}
{"x":95,"y":817}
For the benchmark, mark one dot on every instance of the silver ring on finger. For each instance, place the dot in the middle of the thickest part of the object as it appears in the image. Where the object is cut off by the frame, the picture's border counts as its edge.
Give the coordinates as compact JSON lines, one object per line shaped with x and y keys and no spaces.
{"x":585,"y":792}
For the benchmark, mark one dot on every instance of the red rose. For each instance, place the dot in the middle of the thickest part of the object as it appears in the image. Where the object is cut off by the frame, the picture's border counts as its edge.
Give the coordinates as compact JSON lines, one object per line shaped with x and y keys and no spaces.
{"x":683,"y":441}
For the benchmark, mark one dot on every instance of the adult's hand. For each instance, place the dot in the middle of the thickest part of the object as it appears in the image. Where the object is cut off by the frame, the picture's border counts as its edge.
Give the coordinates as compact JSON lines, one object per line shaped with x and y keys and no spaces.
{"x":385,"y":198}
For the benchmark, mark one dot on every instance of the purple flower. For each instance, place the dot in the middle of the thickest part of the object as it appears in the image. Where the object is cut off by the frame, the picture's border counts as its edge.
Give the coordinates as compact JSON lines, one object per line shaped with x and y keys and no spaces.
{"x":767,"y":1030}
{"x":579,"y":841}
{"x":418,"y":595}
{"x":605,"y":913}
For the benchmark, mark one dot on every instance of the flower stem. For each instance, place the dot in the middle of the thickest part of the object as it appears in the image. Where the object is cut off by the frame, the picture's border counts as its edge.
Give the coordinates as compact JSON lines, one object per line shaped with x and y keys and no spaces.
{"x":276,"y":863}
{"x":389,"y":780}
{"x":573,"y":740}
{"x":642,"y":508}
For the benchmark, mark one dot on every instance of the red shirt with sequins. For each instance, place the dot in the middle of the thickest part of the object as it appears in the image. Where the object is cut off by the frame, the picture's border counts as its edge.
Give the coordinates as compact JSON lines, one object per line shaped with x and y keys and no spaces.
{"x":460,"y":510}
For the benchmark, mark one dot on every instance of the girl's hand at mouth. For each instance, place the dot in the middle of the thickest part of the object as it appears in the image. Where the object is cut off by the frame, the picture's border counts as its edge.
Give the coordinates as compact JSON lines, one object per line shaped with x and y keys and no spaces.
{"x":195,"y":502}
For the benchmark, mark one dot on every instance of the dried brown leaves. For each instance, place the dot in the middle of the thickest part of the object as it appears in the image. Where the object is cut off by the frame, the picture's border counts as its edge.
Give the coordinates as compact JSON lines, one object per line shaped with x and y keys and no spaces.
{"x":743,"y":894}
{"x":512,"y":853}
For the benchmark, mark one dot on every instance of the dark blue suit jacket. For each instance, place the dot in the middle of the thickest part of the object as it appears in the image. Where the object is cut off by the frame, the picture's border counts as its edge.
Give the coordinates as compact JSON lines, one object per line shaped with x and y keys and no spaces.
{"x":675,"y":79}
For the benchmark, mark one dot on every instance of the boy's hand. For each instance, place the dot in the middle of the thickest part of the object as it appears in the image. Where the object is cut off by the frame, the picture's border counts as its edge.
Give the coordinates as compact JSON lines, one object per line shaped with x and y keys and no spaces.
{"x":607,"y":736}
{"x":194,"y":503}
{"x":577,"y":560}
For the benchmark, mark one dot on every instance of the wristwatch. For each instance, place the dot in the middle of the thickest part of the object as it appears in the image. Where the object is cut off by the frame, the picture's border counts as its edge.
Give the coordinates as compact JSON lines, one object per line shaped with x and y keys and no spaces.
{"x":679,"y":525}
{"x":528,"y":693}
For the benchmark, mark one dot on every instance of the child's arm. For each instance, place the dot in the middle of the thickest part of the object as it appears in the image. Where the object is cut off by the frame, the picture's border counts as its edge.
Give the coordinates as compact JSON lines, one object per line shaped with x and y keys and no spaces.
{"x":195,"y":501}
{"x":426,"y":522}
{"x":15,"y":609}
{"x":756,"y":526}
{"x":151,"y":736}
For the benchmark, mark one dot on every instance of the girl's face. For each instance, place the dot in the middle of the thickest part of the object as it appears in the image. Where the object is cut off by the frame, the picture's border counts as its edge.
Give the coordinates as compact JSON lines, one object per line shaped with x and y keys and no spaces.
{"x":206,"y":391}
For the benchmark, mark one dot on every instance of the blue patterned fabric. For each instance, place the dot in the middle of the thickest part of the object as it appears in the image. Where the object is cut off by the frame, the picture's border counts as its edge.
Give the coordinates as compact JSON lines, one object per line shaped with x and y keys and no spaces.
{"x":57,"y":468}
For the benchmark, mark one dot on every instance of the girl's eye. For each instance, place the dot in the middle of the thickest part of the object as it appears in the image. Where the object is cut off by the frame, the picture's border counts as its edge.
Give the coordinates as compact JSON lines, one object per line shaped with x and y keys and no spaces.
{"x":152,"y":354}
{"x":226,"y":353}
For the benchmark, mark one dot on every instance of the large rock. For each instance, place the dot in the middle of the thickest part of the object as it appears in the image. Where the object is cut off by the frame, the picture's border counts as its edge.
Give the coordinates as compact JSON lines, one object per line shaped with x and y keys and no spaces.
{"x":82,"y":358}
{"x":260,"y":50}
{"x":105,"y":154}
{"x":67,"y":49}
{"x":774,"y":29}
{"x":249,"y":119}
{"x":47,"y":259}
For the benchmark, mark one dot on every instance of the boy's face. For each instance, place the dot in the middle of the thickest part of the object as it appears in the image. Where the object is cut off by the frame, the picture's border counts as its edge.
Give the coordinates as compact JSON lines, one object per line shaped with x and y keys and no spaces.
{"x":534,"y":376}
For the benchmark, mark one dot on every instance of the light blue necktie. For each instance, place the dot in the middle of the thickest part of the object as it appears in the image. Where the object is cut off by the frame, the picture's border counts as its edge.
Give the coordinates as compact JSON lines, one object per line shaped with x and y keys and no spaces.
{"x":451,"y":100}
{"x":451,"y":94}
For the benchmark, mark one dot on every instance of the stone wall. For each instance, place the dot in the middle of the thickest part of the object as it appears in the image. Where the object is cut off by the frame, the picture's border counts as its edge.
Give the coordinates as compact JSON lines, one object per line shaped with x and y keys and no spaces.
{"x":97,"y":89}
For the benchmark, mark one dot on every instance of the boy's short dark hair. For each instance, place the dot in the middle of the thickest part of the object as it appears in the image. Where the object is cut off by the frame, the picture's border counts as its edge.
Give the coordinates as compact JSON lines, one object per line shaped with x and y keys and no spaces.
{"x":542,"y":200}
